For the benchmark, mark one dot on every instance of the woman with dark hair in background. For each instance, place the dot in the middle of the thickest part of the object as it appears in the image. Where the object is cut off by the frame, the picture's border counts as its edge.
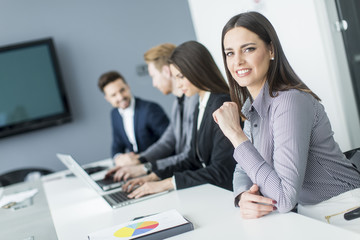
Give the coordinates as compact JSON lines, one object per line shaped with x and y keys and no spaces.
{"x":286,"y":153}
{"x":210,"y":157}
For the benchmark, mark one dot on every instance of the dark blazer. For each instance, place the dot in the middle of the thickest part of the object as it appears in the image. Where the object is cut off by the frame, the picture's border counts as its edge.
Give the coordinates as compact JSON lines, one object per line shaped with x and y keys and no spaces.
{"x":150,"y":121}
{"x":215,"y":152}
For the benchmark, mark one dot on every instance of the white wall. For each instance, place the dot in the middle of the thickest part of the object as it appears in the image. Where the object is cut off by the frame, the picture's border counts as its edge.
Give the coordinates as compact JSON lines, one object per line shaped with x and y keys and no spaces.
{"x":305,"y":33}
{"x":91,"y":37}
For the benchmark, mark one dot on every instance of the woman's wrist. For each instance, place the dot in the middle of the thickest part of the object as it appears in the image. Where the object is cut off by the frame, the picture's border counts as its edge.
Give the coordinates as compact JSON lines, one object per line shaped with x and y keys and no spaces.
{"x":168,"y":184}
{"x":237,"y":137}
{"x":153,"y":177}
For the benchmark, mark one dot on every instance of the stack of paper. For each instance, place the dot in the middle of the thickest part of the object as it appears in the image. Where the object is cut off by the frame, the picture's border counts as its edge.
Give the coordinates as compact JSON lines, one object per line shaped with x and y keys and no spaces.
{"x":158,"y":226}
{"x":11,"y":199}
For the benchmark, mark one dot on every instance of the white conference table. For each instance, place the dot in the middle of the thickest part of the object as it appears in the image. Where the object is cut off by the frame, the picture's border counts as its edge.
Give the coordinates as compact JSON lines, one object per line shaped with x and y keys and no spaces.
{"x":77,"y":211}
{"x":28,"y":220}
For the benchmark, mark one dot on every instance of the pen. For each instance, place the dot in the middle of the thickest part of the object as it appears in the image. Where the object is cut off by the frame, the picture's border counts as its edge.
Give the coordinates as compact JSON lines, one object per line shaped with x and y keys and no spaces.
{"x":352,"y":214}
{"x":9,"y":205}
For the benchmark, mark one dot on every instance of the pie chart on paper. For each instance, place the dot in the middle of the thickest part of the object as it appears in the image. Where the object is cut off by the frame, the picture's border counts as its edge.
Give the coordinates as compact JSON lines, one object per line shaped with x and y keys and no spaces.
{"x":136,"y":229}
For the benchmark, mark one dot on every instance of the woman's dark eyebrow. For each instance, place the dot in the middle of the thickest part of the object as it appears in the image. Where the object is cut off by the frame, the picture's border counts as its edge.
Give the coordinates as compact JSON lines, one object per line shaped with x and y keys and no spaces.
{"x":242,"y":46}
{"x":247,"y":44}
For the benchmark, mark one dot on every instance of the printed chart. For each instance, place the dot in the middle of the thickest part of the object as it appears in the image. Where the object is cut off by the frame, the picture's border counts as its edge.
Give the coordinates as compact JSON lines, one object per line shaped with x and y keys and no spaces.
{"x":136,"y":229}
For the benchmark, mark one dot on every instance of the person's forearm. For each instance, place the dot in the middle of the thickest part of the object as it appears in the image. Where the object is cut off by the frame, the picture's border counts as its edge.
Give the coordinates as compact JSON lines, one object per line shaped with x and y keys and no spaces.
{"x":237,"y":137}
{"x":153,"y":177}
{"x":168,"y":184}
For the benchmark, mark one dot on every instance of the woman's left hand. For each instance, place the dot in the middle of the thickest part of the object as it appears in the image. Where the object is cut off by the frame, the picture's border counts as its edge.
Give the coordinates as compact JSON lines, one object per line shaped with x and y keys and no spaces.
{"x":152,"y":187}
{"x":228,"y":119}
{"x":252,"y":205}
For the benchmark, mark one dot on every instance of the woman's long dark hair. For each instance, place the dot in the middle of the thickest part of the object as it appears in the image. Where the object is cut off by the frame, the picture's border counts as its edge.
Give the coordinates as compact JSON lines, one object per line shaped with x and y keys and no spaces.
{"x":195,"y":62}
{"x":280,"y":76}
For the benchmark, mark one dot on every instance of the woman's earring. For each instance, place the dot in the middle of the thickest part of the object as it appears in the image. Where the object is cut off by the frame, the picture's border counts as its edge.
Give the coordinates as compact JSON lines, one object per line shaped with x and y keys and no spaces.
{"x":272,"y":59}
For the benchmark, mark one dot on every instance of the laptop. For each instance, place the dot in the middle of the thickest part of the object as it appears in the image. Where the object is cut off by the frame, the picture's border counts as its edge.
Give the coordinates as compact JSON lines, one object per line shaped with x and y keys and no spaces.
{"x":114,"y":197}
{"x":106,"y":184}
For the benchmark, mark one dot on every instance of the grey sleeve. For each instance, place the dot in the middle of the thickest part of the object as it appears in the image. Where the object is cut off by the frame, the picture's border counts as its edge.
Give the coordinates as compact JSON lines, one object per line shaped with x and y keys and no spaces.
{"x":241,"y":182}
{"x":165,"y":146}
{"x":283,"y":180}
{"x":165,"y":162}
{"x":184,"y":147}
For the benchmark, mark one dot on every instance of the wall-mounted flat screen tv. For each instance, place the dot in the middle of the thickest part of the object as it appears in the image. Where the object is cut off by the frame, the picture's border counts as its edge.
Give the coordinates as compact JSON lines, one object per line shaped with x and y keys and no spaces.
{"x":32,"y":94}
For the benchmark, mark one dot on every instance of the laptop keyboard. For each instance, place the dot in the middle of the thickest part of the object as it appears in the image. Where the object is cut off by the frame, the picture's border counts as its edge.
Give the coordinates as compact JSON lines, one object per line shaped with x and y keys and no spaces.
{"x":108,"y":181}
{"x":119,"y":197}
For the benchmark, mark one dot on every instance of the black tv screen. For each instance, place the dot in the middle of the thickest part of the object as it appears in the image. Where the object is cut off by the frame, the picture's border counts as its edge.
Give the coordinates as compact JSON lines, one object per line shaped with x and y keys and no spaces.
{"x":32,"y":95}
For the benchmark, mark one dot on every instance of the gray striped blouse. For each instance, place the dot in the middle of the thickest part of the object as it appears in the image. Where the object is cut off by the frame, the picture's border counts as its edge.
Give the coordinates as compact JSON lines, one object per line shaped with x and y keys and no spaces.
{"x":291,"y":153}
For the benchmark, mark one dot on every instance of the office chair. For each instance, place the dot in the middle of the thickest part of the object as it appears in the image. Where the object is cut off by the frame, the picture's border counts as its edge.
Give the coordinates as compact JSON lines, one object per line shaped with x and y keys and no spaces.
{"x":354,"y":157}
{"x":21,"y":175}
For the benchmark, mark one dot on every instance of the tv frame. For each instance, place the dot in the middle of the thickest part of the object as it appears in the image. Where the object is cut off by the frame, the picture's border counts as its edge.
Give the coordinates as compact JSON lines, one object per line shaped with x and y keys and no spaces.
{"x":45,"y":121}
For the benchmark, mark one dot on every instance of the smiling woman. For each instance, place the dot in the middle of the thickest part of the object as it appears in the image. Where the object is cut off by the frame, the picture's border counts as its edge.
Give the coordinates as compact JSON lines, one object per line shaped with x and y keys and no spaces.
{"x":286,"y":152}
{"x":247,"y":58}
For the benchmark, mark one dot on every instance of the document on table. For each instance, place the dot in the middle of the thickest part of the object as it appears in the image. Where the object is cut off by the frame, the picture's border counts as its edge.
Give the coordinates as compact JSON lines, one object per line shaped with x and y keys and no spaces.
{"x":8,"y":200}
{"x":157,"y":226}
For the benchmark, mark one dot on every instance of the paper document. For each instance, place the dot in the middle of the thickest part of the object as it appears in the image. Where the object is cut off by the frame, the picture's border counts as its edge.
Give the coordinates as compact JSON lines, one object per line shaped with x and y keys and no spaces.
{"x":142,"y":227}
{"x":17,"y":197}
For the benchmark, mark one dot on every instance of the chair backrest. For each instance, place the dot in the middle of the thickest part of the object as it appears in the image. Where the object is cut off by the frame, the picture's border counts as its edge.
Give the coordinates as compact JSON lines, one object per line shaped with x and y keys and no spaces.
{"x":20,"y":175}
{"x":354,"y":157}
